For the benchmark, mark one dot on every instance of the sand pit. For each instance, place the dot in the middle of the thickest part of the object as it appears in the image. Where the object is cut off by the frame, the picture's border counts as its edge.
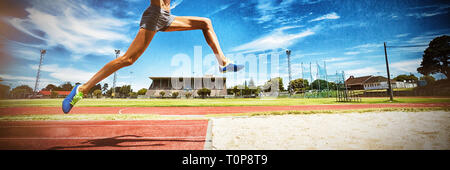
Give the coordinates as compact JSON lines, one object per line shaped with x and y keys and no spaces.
{"x":388,"y":130}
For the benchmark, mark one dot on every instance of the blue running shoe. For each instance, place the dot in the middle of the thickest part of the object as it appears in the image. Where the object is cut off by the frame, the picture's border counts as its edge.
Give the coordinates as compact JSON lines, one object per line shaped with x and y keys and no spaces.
{"x":71,"y":99}
{"x":230,"y":67}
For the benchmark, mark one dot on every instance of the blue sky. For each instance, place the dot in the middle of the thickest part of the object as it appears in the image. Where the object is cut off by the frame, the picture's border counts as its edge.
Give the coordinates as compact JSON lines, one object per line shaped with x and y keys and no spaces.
{"x":81,"y":35}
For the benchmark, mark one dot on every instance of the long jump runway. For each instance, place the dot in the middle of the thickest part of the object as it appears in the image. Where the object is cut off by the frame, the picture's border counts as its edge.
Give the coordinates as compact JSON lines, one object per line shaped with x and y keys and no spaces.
{"x":104,"y":135}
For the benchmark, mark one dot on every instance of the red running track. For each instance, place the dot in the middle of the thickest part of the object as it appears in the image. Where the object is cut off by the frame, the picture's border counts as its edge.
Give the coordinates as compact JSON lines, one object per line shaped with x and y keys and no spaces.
{"x":103,"y":135}
{"x":204,"y":110}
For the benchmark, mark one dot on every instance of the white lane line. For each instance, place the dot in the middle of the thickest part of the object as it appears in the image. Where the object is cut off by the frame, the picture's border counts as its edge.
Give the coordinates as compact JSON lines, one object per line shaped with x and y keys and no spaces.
{"x":91,"y":138}
{"x":120,"y":111}
{"x":208,"y":140}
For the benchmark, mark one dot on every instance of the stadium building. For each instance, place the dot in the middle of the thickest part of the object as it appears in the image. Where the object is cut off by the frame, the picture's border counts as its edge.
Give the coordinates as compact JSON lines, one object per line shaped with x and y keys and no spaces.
{"x":184,"y":85}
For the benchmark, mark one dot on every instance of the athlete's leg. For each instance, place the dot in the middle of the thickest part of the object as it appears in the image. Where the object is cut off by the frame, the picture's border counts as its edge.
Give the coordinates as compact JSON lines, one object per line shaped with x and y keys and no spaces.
{"x":137,"y":47}
{"x":196,"y":23}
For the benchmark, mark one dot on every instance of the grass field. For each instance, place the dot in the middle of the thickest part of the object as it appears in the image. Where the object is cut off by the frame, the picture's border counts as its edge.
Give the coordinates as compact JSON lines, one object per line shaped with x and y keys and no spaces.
{"x":206,"y":102}
{"x":202,"y":117}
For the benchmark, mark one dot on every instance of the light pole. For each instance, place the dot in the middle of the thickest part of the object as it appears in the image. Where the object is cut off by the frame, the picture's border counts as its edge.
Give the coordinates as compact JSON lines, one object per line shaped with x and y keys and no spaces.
{"x":391,"y":96}
{"x":131,"y":77}
{"x":288,"y":53}
{"x":39,"y":72}
{"x":115,"y":77}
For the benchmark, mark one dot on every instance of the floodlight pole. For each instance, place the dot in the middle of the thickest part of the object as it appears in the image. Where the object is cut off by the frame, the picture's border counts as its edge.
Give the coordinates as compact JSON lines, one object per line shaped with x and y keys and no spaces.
{"x":288,"y":53}
{"x":115,"y":77}
{"x":39,"y":72}
{"x":391,"y":95}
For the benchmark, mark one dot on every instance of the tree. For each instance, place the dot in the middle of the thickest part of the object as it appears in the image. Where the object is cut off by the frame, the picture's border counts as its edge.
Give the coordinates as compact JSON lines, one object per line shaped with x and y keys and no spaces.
{"x":117,"y":92}
{"x":133,"y":94}
{"x":235,"y":91}
{"x":66,"y":87}
{"x":4,"y":91}
{"x":269,"y":83}
{"x":162,"y":93}
{"x":97,"y":93}
{"x":96,"y":87}
{"x":188,"y":95}
{"x":429,"y":79}
{"x":175,"y":94}
{"x":246,"y":91}
{"x":436,"y":57}
{"x":50,"y":87}
{"x":280,"y":84}
{"x":125,"y":90}
{"x":323,"y":84}
{"x":143,"y":91}
{"x":298,"y":85}
{"x":108,"y":93}
{"x":21,"y":91}
{"x":105,"y":87}
{"x":404,"y":77}
{"x":204,"y":92}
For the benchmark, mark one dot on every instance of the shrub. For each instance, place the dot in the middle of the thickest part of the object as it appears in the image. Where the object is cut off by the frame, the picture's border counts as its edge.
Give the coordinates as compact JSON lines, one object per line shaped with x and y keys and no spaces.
{"x":133,"y":95}
{"x":175,"y":94}
{"x":204,"y":92}
{"x":21,"y":91}
{"x":97,"y":93}
{"x":4,"y":91}
{"x":188,"y":95}
{"x":162,"y":93}
{"x":143,"y":91}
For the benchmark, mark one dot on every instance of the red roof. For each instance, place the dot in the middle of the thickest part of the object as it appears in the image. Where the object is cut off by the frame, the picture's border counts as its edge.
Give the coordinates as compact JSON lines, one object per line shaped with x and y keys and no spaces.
{"x":48,"y":93}
{"x":357,"y":80}
{"x":366,"y":79}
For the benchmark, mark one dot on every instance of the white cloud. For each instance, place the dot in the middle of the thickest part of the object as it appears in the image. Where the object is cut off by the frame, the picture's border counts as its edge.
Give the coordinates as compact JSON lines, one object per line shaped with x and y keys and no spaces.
{"x":408,"y":66}
{"x":269,"y":9}
{"x":363,"y":48}
{"x":423,"y":39}
{"x":418,"y":43}
{"x":402,"y":35}
{"x":222,"y":8}
{"x":175,"y":3}
{"x":61,"y":73}
{"x":276,"y":39}
{"x":346,"y":64}
{"x":336,"y":59}
{"x":21,"y":78}
{"x":26,"y":53}
{"x":332,"y":15}
{"x":426,"y":14}
{"x":73,"y":25}
{"x":438,"y":6}
{"x":362,"y":72}
{"x":14,"y":81}
{"x":360,"y":51}
{"x":352,"y":53}
{"x":349,"y":24}
{"x":369,"y":45}
{"x":432,"y":10}
{"x":301,"y":55}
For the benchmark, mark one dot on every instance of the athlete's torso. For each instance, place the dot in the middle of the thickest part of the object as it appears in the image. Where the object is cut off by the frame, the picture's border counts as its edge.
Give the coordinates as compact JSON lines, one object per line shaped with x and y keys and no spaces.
{"x":164,"y":4}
